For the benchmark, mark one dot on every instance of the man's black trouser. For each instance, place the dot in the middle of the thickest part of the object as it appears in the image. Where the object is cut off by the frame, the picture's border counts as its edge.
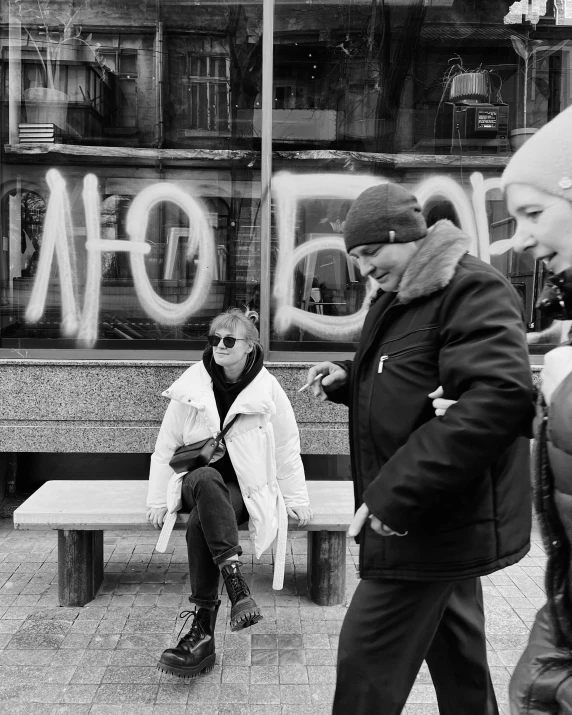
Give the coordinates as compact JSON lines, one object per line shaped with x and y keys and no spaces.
{"x":392,"y":626}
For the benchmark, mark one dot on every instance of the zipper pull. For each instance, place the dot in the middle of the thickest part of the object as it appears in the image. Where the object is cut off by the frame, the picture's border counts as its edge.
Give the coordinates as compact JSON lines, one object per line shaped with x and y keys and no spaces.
{"x":382,"y":359}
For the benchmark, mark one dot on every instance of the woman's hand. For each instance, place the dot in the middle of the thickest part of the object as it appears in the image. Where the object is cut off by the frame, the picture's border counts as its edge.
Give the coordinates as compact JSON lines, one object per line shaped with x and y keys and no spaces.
{"x":440,"y":404}
{"x":302,"y":513}
{"x":156,"y":516}
{"x":334,"y":377}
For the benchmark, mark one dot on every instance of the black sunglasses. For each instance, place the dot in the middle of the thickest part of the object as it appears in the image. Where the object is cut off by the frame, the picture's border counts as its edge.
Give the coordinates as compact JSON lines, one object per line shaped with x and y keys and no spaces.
{"x":228,"y":341}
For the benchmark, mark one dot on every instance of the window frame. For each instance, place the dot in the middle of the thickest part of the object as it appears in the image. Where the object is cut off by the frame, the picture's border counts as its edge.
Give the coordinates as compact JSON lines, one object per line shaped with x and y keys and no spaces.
{"x":212,"y":84}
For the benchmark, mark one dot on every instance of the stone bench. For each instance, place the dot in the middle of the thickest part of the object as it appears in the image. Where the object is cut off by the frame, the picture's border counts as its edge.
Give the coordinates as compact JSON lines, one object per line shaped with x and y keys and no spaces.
{"x":82,"y":510}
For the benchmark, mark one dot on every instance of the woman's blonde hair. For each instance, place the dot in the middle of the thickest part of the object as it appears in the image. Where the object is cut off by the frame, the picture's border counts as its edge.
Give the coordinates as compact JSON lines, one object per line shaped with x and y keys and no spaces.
{"x":235,"y":317}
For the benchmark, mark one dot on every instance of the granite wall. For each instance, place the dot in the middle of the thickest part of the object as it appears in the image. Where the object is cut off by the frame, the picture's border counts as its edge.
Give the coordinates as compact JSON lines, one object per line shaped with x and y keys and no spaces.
{"x":116,"y":406}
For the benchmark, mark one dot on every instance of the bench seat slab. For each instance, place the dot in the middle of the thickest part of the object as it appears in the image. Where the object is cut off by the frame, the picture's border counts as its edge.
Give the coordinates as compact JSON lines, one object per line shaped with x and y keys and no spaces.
{"x":80,"y":566}
{"x":81,"y":510}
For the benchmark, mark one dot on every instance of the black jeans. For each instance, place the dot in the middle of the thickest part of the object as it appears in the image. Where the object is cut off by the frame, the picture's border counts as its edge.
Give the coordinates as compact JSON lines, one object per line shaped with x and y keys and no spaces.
{"x":216,"y":509}
{"x":392,"y":626}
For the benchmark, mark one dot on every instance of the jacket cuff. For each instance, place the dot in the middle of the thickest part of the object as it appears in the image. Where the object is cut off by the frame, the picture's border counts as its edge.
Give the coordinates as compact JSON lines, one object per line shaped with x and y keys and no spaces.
{"x":156,"y":505}
{"x":292,"y":503}
{"x":395,"y":521}
{"x":342,"y":394}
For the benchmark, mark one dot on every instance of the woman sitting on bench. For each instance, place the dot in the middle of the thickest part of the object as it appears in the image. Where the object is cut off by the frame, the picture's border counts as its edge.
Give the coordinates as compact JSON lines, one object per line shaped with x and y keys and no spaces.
{"x":258,"y":478}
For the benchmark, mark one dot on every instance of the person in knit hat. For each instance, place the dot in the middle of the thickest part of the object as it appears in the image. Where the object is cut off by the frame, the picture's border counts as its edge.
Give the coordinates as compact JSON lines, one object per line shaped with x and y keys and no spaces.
{"x":440,"y":501}
{"x":545,"y":160}
{"x":537,"y":184}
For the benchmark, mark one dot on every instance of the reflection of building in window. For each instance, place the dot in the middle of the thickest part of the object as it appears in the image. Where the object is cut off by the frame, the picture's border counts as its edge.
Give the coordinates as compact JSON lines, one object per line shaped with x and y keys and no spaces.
{"x":533,"y":10}
{"x":359,"y":117}
{"x":123,"y":64}
{"x":23,"y":215}
{"x":200,"y":87}
{"x":563,"y":10}
{"x":290,"y":91}
{"x":83,"y":101}
{"x":550,"y":88}
{"x":115,"y":266}
{"x":209,"y":93}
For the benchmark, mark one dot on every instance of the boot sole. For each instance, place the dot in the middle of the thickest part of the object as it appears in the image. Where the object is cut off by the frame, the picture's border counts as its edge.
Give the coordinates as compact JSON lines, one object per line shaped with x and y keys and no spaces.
{"x":204,"y":666}
{"x":246,"y":617}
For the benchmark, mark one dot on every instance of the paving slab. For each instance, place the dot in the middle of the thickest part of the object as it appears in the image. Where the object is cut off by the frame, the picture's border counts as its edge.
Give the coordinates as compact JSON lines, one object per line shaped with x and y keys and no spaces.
{"x":101,"y":659}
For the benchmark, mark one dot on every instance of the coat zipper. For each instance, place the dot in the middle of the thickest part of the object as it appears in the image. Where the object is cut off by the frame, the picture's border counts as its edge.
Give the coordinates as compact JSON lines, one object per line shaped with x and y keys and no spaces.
{"x":358,"y":486}
{"x":407,"y":351}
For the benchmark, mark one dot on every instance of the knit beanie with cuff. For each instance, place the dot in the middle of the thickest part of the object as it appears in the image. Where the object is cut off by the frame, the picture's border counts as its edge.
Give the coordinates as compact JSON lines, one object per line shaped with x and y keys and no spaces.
{"x":386,"y":213}
{"x":545,"y":160}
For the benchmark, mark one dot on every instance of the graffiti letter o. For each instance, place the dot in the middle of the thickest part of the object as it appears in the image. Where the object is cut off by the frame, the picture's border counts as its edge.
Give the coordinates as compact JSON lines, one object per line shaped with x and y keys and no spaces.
{"x":137,"y":219}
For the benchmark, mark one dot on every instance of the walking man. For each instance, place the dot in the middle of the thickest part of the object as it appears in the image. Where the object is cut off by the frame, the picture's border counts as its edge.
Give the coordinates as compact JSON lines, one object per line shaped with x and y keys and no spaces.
{"x":441,"y":500}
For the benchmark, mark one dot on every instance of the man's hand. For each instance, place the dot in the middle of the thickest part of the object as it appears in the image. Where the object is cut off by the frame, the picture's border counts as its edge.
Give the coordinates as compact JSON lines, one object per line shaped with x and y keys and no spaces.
{"x":440,"y":404}
{"x":361,"y":516}
{"x":334,"y":377}
{"x":302,"y":513}
{"x":156,"y":516}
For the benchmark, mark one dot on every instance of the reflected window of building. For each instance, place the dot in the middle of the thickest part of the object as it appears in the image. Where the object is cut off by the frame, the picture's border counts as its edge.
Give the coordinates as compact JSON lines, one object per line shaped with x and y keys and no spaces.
{"x":23,"y":214}
{"x":214,"y":79}
{"x":123,"y":65}
{"x":208,"y":80}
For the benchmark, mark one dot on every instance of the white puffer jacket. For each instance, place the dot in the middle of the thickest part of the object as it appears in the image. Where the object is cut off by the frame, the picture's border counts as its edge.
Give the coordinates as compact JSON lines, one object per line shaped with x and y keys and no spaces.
{"x":263,"y":445}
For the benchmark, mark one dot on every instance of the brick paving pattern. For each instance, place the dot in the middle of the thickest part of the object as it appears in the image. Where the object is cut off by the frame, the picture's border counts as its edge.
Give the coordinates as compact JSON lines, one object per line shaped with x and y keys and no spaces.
{"x":101,"y":659}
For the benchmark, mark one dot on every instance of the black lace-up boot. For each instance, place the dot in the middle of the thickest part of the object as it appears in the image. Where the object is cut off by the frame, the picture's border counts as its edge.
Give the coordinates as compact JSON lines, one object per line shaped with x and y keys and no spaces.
{"x":195,"y":652}
{"x":244,"y":611}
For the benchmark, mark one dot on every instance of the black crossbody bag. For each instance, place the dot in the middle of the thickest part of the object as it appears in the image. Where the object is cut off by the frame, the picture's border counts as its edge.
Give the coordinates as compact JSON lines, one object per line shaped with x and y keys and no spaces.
{"x":192,"y":456}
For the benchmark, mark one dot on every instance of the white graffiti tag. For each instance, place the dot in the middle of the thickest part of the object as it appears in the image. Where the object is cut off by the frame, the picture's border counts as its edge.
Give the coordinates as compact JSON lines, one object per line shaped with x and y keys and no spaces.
{"x":201,"y":237}
{"x":288,"y":191}
{"x":58,"y":235}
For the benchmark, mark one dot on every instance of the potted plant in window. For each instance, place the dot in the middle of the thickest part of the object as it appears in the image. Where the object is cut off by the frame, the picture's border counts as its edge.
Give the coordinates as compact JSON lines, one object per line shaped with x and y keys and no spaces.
{"x":56,"y":39}
{"x":532,"y":52}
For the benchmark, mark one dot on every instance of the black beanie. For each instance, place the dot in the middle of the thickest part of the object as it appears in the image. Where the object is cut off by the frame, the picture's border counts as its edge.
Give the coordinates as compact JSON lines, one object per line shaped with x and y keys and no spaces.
{"x":386,"y":213}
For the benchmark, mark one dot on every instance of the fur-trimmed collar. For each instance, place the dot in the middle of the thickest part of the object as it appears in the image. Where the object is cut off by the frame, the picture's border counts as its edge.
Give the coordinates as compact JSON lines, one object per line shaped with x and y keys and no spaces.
{"x":434,"y":265}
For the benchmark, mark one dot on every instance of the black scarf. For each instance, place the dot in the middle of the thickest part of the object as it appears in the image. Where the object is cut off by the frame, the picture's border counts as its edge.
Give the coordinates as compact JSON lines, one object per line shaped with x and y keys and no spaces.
{"x":226,"y":392}
{"x":556,"y":298}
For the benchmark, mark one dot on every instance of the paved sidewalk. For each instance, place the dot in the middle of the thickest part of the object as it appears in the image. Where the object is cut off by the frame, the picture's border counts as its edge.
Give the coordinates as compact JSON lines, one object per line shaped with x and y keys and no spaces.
{"x":101,"y":659}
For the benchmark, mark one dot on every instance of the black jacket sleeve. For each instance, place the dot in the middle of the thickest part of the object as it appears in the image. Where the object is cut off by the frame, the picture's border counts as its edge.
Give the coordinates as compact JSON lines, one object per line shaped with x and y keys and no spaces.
{"x":484,"y":365}
{"x":342,"y":394}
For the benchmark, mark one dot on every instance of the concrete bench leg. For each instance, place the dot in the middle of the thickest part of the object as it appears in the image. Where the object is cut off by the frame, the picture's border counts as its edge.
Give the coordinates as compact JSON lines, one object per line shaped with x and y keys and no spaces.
{"x":80,"y":566}
{"x":327,"y":567}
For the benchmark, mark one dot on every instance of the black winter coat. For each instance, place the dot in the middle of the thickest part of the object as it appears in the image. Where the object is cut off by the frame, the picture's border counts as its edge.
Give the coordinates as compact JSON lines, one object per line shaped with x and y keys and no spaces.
{"x":542,"y":681}
{"x":458,"y":484}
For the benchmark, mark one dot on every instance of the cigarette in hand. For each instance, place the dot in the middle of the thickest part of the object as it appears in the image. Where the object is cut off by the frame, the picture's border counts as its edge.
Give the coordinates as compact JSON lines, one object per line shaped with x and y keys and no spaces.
{"x":307,"y":385}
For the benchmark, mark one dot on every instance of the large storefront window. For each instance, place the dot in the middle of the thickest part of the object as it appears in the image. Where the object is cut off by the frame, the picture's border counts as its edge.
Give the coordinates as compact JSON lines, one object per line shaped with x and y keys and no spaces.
{"x":130,"y":195}
{"x":435,"y":95}
{"x":148,"y":181}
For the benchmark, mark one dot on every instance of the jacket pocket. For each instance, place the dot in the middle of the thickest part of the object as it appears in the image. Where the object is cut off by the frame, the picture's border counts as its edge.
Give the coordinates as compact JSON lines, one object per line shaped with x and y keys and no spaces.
{"x":420,"y":348}
{"x":402,"y":378}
